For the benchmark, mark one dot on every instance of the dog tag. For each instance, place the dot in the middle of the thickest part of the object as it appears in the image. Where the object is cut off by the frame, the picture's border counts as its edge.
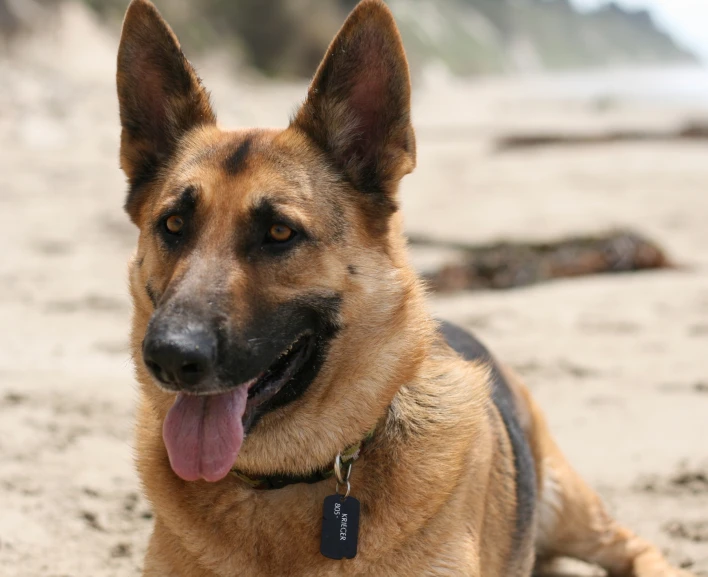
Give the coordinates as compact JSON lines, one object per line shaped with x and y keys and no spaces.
{"x":340,"y":527}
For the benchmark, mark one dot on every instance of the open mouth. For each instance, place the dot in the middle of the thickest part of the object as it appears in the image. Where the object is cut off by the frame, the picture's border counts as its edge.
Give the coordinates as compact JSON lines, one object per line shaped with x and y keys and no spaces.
{"x":203,"y":434}
{"x":282,"y":371}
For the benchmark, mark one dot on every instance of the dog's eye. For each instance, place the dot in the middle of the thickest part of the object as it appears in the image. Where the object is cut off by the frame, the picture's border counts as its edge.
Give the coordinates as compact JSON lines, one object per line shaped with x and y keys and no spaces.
{"x":280,"y":233}
{"x":174,"y":224}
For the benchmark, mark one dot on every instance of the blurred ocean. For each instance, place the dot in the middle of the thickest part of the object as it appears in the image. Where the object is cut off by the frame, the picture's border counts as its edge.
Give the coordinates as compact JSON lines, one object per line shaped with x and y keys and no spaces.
{"x":685,"y":85}
{"x":661,"y":98}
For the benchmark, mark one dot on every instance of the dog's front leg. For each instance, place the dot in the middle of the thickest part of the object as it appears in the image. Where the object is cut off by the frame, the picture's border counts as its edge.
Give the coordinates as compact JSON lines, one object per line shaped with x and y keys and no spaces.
{"x":165,"y":557}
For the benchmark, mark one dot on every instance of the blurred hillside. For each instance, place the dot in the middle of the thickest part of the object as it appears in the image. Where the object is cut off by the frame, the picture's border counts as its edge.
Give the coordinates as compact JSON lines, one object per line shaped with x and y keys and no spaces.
{"x":473,"y":36}
{"x":286,"y":38}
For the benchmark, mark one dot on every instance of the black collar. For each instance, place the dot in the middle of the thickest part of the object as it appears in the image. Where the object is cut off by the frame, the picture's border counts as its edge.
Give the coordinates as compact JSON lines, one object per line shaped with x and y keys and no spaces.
{"x":349,"y":455}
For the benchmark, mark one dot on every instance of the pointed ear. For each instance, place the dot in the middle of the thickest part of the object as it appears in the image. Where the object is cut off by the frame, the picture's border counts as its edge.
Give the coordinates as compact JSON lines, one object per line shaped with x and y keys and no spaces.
{"x":358,"y":105}
{"x":160,"y":96}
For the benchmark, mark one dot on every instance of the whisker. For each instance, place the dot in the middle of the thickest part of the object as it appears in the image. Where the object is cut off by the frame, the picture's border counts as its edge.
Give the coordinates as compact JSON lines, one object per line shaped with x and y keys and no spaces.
{"x":267,"y":339}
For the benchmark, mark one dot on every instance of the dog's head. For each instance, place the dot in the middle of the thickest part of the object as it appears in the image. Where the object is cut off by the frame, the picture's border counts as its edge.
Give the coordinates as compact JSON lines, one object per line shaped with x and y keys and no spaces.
{"x":270,"y":286}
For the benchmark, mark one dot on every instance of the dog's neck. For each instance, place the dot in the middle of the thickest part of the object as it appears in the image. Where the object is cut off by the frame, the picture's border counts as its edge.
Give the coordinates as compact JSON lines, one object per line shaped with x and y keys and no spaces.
{"x":270,"y":482}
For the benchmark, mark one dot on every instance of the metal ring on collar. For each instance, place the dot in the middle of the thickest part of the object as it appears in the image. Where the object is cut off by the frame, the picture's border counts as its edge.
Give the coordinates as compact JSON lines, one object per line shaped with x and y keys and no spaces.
{"x":341,"y":480}
{"x":349,"y":488}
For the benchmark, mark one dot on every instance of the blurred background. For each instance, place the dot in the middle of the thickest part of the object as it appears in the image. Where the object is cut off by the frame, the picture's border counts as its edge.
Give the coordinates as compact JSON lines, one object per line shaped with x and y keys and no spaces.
{"x":559,"y":210}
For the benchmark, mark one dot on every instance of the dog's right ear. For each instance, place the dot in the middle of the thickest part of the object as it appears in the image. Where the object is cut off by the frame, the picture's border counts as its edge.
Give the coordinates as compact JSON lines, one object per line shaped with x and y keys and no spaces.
{"x":160,"y":95}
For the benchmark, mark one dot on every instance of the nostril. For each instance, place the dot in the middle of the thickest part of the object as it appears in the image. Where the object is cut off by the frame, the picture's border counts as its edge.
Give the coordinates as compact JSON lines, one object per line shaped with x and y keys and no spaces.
{"x":192,"y":368}
{"x":154,"y":367}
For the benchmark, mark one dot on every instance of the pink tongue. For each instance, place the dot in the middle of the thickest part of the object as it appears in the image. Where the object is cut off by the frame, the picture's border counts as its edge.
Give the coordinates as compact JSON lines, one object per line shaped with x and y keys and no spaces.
{"x":203,"y":435}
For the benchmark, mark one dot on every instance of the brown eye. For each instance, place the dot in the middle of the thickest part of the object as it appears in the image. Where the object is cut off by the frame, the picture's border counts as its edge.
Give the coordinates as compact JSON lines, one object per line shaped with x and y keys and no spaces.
{"x":280,"y":233}
{"x":175,"y":224}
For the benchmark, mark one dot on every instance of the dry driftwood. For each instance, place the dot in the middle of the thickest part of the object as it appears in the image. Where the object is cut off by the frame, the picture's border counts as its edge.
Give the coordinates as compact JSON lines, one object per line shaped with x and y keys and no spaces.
{"x":508,"y":265}
{"x":690,"y":131}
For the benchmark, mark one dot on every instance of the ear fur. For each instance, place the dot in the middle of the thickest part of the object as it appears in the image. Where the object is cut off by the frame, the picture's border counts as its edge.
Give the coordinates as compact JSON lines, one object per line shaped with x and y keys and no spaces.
{"x":160,"y":95}
{"x":358,"y":105}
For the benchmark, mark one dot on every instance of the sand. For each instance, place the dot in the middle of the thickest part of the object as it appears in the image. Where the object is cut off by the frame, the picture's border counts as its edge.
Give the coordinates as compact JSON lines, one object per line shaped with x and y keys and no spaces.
{"x":618,"y":362}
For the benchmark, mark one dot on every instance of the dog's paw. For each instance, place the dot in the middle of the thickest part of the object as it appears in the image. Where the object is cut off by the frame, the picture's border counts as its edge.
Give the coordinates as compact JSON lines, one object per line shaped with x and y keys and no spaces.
{"x":654,"y":565}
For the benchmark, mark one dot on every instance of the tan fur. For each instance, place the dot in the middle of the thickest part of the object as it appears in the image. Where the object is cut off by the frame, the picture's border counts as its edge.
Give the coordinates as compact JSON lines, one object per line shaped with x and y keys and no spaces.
{"x":437,"y":482}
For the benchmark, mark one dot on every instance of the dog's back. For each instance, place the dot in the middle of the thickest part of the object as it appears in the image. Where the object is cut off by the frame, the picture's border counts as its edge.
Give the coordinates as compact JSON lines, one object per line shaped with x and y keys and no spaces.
{"x":507,"y":403}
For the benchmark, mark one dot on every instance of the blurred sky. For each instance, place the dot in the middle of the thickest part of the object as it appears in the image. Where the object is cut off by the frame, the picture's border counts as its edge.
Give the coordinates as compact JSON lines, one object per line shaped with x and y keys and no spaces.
{"x":687,"y":20}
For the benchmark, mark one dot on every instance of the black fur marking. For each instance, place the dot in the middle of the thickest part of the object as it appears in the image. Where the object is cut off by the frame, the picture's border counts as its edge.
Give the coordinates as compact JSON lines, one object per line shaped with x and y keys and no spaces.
{"x":251,"y":239}
{"x":318,"y":314}
{"x":378,"y":209}
{"x":238,"y":159}
{"x":368,"y":179}
{"x":352,"y":269}
{"x":471,"y":349}
{"x":185,"y":206}
{"x":144,"y":175}
{"x":186,"y":202}
{"x":152,"y":295}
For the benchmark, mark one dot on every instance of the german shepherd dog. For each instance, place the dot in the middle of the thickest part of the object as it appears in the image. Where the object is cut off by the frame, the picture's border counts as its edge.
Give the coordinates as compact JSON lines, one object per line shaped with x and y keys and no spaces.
{"x":280,"y":333}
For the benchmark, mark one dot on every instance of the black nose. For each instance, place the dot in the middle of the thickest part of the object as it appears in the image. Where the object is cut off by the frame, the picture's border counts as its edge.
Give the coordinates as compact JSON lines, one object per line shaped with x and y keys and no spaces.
{"x":183,"y":358}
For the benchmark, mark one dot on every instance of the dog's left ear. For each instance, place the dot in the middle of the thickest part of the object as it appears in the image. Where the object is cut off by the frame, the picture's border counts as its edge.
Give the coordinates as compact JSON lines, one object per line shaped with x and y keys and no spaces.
{"x":358,"y":105}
